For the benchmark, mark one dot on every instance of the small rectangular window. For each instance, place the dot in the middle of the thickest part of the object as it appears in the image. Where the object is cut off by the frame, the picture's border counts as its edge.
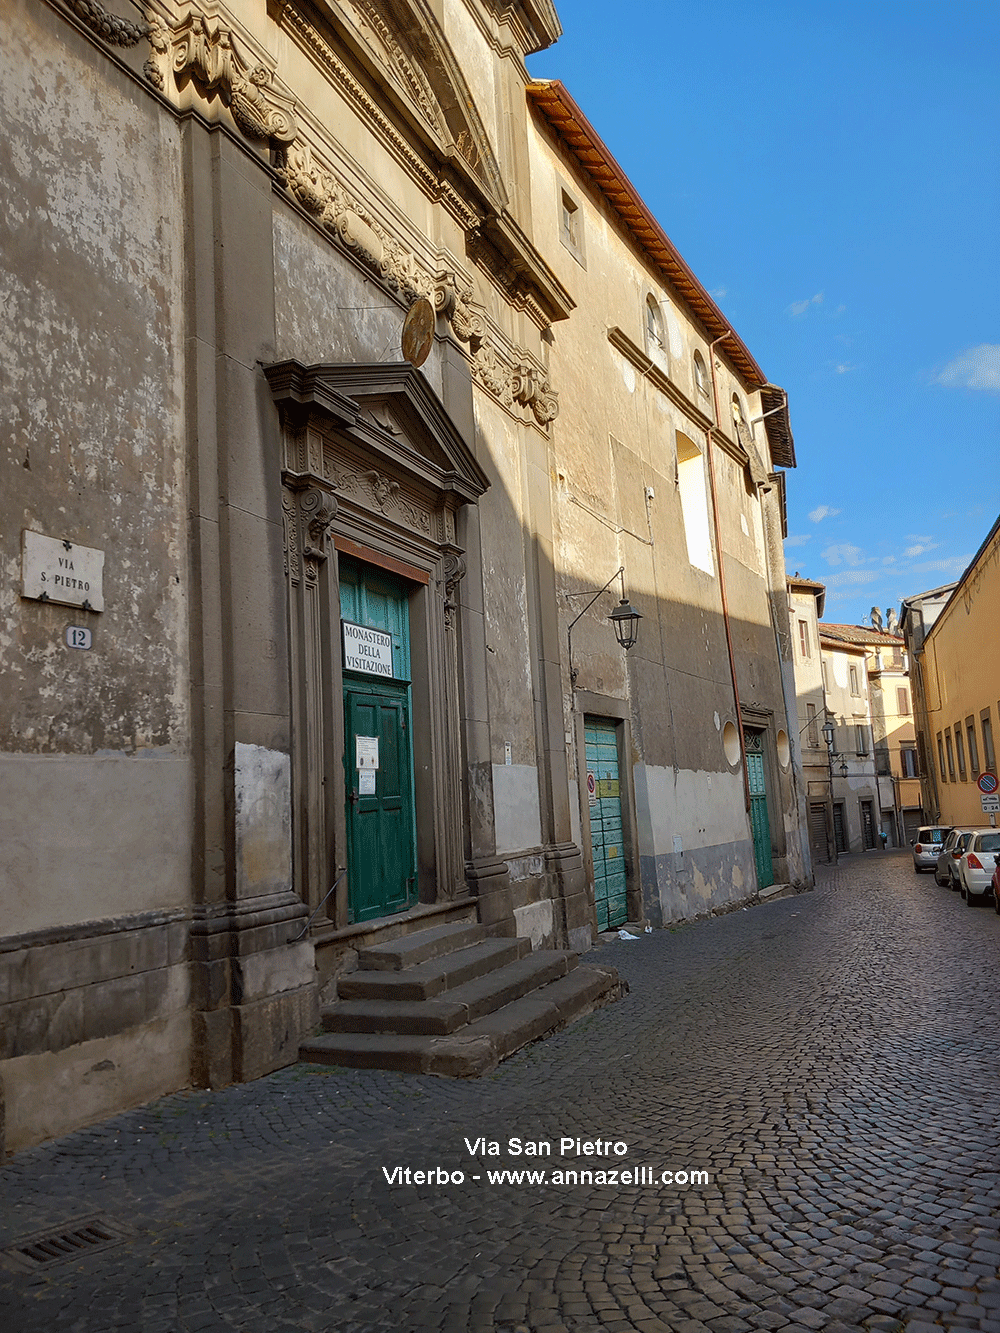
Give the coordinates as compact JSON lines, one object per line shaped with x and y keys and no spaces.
{"x":908,"y":761}
{"x":861,"y":733}
{"x":951,"y":754}
{"x":970,"y":732}
{"x":989,"y":754}
{"x":804,"y":637}
{"x":941,"y":764}
{"x":960,"y":751}
{"x":826,"y":683}
{"x":854,"y":679}
{"x":903,"y":700}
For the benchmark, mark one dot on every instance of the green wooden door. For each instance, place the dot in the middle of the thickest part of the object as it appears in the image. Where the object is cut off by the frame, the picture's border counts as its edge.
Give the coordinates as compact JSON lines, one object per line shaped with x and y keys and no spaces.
{"x":378,"y":748}
{"x":606,"y":822}
{"x":759,"y":822}
{"x":381,"y":851}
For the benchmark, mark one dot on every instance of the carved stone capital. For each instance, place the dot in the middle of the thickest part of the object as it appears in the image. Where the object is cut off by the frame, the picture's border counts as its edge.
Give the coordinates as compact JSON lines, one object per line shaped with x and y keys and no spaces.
{"x":205,"y":52}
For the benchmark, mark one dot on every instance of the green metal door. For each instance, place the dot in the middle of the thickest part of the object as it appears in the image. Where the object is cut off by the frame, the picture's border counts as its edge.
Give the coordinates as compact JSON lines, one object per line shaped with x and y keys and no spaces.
{"x":605,"y":822}
{"x":378,"y":747}
{"x":381,"y":853}
{"x":759,"y":821}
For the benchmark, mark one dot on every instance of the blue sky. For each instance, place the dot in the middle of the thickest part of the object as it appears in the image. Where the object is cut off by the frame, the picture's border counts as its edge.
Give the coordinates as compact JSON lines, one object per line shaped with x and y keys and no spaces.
{"x":830,"y":172}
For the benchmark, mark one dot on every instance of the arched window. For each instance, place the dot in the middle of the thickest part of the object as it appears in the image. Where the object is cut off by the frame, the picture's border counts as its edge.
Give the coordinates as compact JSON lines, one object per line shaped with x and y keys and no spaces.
{"x":700,"y":374}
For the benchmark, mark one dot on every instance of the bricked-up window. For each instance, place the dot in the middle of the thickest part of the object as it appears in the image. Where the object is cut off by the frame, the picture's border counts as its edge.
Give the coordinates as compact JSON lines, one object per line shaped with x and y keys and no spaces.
{"x":654,"y":322}
{"x":989,"y":754}
{"x":804,"y":638}
{"x":908,"y":762}
{"x":826,"y":683}
{"x":902,"y":700}
{"x":951,"y":753}
{"x":941,"y":764}
{"x":970,"y":731}
{"x":960,"y":751}
{"x":570,"y":224}
{"x":854,"y":679}
{"x":861,"y":734}
{"x":813,"y":732}
{"x":700,"y":376}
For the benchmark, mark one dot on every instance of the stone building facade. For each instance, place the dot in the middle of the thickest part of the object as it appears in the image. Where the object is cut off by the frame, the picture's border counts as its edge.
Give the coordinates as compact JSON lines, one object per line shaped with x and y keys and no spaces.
{"x":325,"y":415}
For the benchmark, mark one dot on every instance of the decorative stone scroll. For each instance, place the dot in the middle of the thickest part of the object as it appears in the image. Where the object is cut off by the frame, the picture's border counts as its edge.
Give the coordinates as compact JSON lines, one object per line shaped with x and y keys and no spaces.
{"x":308,"y":510}
{"x":114,"y":30}
{"x":206,"y":52}
{"x":455,"y":567}
{"x":328,"y":200}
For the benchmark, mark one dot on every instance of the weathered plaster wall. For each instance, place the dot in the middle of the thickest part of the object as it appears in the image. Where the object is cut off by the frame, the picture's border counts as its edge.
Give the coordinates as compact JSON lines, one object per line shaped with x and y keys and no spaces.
{"x":91,"y":286}
{"x":329,"y":309}
{"x":620,"y":499}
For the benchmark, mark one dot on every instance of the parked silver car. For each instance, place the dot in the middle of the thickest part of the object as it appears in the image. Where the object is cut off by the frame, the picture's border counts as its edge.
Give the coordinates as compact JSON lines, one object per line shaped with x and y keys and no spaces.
{"x":946,"y":869}
{"x":928,"y":845}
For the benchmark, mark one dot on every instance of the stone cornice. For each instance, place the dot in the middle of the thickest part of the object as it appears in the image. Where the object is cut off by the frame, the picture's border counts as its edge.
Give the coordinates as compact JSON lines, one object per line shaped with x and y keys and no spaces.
{"x":651,"y":371}
{"x":199,"y":66}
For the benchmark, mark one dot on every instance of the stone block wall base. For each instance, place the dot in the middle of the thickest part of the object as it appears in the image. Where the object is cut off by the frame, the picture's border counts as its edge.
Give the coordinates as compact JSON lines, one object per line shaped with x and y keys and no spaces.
{"x":564,"y":864}
{"x":489,"y":883}
{"x":52,"y":1093}
{"x":267,"y":1032}
{"x":212,"y":1049}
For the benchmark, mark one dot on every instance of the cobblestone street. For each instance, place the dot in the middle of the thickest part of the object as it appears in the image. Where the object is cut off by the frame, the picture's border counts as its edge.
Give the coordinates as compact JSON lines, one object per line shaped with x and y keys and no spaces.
{"x":830,"y":1060}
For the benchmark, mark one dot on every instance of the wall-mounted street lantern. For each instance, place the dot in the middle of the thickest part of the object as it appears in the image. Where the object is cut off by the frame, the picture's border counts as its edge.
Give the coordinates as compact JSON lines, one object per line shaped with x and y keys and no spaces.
{"x":829,"y":732}
{"x":625,"y":619}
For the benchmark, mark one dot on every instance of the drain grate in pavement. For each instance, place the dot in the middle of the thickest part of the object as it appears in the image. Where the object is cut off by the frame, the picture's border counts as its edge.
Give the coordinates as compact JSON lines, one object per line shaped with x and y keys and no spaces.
{"x":71,"y":1240}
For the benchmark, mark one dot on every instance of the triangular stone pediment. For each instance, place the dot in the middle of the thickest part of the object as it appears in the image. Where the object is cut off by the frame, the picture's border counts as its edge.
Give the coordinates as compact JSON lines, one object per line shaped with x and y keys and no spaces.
{"x":384,"y":409}
{"x":403,"y":48}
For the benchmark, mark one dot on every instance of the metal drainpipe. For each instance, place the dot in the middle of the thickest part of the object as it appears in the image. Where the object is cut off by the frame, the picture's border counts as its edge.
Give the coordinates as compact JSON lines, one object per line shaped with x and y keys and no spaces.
{"x":722,"y":571}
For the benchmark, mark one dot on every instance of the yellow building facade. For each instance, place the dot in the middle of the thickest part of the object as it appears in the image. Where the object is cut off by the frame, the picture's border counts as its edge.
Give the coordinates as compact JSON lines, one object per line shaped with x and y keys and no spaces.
{"x":960,"y":684}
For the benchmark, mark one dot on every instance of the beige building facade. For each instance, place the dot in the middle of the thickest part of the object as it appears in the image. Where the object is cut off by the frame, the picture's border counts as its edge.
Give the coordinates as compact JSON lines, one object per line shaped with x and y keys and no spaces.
{"x":957,"y":687}
{"x":806,"y":601}
{"x":344,"y":370}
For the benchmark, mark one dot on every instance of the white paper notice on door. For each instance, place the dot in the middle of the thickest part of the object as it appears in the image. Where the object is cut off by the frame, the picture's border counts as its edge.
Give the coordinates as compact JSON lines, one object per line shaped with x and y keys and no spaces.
{"x":366,"y":751}
{"x":366,"y":782}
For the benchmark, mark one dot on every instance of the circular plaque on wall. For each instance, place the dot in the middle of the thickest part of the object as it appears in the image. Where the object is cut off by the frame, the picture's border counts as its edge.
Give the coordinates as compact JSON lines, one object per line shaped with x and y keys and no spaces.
{"x":418,"y":331}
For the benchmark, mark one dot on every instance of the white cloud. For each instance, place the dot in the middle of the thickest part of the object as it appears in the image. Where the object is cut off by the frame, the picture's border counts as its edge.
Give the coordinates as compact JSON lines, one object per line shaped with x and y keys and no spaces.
{"x":855,"y":577}
{"x":921,"y":547}
{"x":720,"y":292}
{"x":800,"y":307}
{"x":843,"y":553}
{"x":975,"y":368}
{"x":918,"y":537}
{"x":843,"y":368}
{"x":956,"y":565}
{"x":799,"y":540}
{"x":823,"y":511}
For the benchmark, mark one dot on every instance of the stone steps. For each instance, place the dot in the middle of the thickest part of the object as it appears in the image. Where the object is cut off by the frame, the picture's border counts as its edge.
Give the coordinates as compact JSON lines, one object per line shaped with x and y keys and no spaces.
{"x":447,"y":1001}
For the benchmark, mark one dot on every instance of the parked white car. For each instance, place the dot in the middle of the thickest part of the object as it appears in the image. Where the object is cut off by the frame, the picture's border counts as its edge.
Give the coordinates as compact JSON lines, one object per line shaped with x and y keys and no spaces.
{"x":976,"y":866}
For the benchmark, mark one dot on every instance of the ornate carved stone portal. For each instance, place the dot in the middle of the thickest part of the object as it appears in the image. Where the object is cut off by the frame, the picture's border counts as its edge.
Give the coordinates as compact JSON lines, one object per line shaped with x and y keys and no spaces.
{"x":375,"y":469}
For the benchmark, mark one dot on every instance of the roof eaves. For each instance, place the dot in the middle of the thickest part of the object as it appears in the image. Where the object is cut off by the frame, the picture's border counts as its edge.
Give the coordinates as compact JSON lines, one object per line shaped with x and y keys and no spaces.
{"x":573,"y":127}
